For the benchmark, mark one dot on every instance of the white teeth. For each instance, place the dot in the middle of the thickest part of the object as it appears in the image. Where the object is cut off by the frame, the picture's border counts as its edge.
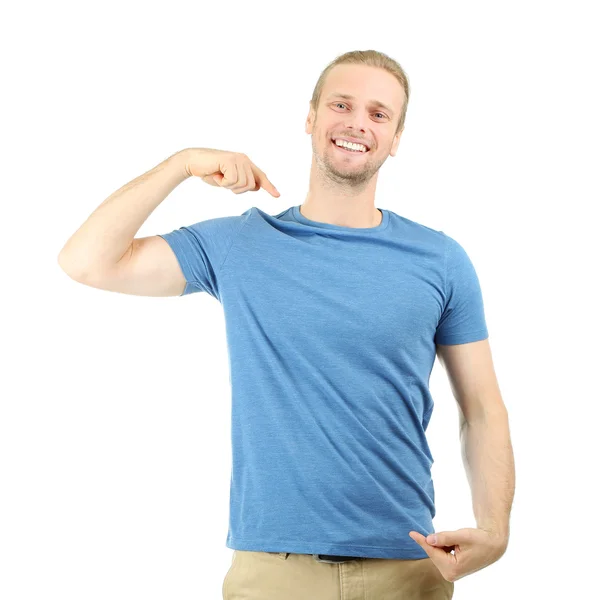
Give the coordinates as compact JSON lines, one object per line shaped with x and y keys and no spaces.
{"x":350,"y":145}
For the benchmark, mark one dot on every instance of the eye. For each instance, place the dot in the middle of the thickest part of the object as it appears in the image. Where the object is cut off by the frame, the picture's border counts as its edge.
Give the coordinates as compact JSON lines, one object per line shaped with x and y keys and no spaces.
{"x":343,"y":104}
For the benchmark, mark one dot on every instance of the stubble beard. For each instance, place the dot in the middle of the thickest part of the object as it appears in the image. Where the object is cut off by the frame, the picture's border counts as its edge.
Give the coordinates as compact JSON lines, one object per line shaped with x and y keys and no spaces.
{"x":350,"y":175}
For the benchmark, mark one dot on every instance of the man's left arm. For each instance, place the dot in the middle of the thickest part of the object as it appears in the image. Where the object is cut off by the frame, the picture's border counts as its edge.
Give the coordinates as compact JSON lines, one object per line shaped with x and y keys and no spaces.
{"x":484,"y":432}
{"x":488,"y":459}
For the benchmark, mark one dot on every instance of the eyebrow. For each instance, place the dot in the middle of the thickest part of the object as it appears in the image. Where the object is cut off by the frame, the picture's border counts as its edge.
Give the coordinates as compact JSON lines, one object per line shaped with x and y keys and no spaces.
{"x":372,"y":102}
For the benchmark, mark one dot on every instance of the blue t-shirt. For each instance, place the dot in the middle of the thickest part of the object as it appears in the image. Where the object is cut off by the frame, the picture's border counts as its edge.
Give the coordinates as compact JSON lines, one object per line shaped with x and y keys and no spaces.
{"x":331,"y":334}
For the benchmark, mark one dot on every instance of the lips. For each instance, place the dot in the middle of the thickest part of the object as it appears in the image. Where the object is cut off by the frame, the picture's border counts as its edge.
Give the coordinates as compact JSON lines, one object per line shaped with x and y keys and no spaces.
{"x":352,"y":139}
{"x":345,"y":151}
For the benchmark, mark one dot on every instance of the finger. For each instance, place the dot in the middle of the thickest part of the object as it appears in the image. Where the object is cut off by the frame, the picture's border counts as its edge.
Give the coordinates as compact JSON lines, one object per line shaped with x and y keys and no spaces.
{"x":244,"y":172}
{"x":421,"y":540}
{"x":213,"y":179}
{"x":264,"y":182}
{"x":448,"y":539}
{"x":238,"y":184}
{"x":438,"y":555}
{"x":251,"y":184}
{"x":239,"y":187}
{"x":230,"y":176}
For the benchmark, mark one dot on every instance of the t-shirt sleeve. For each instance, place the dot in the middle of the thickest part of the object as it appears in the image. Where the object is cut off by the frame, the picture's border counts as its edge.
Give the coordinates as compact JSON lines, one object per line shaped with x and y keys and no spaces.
{"x":202,"y":249}
{"x":462,"y":318}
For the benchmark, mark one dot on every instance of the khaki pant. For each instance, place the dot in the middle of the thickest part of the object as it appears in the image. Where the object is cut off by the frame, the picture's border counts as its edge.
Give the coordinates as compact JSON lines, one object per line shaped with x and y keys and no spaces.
{"x":288,"y":576}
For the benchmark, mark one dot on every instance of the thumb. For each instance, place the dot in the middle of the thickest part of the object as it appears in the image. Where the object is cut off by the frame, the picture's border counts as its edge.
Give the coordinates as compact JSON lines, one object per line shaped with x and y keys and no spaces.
{"x":444,"y":538}
{"x":438,"y":555}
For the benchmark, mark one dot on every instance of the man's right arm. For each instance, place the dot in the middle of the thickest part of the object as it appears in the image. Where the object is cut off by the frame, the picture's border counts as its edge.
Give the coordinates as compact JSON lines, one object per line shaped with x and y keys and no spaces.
{"x":104,"y":252}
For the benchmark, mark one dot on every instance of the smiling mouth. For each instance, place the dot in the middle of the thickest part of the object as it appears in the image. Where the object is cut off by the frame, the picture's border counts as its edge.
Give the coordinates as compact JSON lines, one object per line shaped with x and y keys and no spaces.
{"x":345,"y":150}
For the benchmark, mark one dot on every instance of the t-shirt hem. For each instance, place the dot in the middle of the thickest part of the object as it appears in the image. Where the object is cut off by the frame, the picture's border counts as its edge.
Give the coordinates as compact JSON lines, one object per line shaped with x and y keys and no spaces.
{"x":315,"y":547}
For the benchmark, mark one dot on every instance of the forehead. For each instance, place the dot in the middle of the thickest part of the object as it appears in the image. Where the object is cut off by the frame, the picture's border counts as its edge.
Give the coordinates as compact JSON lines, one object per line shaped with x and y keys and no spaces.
{"x":372,"y":85}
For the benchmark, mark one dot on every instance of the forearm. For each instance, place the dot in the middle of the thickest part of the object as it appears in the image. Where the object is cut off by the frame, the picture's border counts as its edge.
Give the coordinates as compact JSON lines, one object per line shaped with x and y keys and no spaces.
{"x":109,"y":231}
{"x":489,"y":463}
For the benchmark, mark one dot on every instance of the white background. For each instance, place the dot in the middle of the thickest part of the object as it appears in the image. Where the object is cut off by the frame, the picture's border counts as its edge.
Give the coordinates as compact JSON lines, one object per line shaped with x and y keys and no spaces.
{"x":115,"y":415}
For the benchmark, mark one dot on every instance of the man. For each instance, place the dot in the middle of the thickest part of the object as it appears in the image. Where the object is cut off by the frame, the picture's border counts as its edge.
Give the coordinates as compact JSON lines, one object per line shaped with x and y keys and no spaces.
{"x":335,"y":311}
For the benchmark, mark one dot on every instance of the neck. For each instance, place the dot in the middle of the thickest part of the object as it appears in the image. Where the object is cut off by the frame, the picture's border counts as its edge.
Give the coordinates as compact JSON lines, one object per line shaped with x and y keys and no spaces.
{"x":344,"y":202}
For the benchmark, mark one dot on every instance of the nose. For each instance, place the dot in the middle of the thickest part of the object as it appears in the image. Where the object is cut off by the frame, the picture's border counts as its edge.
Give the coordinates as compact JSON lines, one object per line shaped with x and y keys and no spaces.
{"x":356,"y":121}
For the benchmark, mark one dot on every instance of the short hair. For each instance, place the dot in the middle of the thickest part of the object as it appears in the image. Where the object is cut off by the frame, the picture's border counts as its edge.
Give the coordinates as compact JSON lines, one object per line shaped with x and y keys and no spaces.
{"x":371,"y":58}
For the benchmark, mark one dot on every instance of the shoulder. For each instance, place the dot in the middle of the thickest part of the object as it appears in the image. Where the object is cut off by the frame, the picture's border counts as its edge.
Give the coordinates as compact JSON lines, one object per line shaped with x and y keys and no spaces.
{"x":418,"y":231}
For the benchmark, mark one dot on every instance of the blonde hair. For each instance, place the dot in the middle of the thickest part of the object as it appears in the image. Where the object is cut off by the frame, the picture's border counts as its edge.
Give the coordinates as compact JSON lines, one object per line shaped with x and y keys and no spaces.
{"x":371,"y":58}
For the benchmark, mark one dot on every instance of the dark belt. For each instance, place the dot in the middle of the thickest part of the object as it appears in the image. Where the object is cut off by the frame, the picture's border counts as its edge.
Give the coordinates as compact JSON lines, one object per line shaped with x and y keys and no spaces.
{"x":335,"y":558}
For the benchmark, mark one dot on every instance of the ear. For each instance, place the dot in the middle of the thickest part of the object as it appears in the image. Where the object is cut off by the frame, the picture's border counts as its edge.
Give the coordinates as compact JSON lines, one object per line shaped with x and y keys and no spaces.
{"x":395,"y":143}
{"x":309,"y":123}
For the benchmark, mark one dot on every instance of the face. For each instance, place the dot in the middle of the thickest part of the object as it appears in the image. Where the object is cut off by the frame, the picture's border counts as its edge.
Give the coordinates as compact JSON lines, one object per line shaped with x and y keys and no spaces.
{"x":359,"y":117}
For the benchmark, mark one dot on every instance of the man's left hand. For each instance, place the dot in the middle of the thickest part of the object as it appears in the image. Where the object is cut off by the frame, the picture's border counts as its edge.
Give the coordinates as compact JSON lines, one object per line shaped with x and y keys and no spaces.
{"x":461,"y":552}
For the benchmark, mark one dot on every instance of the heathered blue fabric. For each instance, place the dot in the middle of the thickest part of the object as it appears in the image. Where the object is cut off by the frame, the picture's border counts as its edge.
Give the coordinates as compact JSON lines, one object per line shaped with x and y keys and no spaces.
{"x":331,"y":335}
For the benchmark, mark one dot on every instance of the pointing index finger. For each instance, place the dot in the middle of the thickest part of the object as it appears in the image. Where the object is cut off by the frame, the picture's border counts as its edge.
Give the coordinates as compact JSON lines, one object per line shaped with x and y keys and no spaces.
{"x":265,"y":183}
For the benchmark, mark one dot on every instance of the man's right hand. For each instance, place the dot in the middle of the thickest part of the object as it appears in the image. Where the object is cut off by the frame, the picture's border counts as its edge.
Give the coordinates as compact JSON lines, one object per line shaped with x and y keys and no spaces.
{"x":231,"y":170}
